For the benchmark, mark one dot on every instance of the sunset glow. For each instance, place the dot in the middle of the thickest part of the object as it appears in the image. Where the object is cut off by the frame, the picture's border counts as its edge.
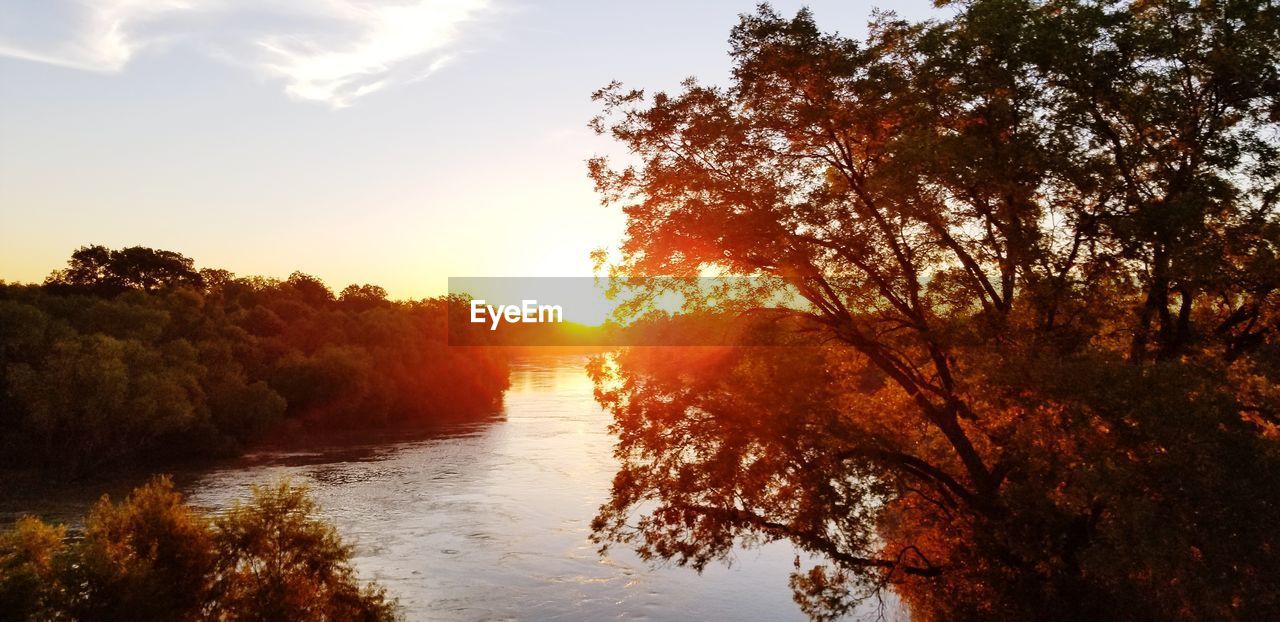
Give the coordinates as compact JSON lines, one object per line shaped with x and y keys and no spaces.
{"x":469,"y":310}
{"x":387,"y":142}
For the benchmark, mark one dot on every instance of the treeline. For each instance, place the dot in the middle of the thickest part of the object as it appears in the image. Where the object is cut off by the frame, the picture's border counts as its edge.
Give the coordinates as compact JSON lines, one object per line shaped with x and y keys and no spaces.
{"x":135,"y":356}
{"x":152,"y":557}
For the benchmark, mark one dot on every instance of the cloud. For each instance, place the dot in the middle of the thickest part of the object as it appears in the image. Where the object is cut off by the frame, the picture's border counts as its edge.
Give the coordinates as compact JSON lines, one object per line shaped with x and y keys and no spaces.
{"x":329,"y":51}
{"x":100,"y":39}
{"x":391,"y":36}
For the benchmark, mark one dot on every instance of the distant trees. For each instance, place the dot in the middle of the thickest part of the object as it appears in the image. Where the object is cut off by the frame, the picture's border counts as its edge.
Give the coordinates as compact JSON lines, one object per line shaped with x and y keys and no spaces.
{"x":363,"y":297}
{"x":132,"y":355}
{"x":99,"y":269}
{"x":1036,"y":247}
{"x":152,"y":557}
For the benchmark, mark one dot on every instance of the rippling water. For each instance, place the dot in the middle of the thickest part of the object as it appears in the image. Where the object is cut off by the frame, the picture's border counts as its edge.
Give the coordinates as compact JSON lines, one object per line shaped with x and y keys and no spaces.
{"x":490,"y":521}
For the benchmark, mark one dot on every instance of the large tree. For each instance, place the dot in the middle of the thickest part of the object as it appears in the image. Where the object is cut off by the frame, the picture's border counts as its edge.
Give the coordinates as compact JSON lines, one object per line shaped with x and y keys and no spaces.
{"x":1035,"y":244}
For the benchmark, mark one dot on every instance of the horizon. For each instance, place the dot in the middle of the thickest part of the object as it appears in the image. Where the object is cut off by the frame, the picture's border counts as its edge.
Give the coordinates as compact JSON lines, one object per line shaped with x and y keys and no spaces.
{"x":387,"y":143}
{"x":851,"y":313}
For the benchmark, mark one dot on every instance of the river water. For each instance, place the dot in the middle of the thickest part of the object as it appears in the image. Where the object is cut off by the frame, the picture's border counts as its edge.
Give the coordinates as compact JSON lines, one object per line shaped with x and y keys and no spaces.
{"x":490,"y":521}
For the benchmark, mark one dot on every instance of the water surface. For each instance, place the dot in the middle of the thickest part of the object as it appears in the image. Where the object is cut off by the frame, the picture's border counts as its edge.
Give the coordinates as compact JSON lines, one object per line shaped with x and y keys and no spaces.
{"x":490,"y":521}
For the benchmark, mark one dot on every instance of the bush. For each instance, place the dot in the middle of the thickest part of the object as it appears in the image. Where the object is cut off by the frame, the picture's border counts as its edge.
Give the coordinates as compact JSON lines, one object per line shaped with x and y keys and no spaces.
{"x":152,"y":557}
{"x":27,"y":578}
{"x":279,"y":563}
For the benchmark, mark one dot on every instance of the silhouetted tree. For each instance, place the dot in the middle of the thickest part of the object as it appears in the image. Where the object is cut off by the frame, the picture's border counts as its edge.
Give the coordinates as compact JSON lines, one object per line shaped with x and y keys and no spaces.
{"x":1034,"y":247}
{"x":362,"y":297}
{"x":112,"y":271}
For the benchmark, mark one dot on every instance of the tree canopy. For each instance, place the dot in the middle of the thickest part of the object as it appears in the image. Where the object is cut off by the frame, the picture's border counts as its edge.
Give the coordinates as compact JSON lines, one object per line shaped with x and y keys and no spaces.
{"x":133,"y":356}
{"x":1034,"y":371}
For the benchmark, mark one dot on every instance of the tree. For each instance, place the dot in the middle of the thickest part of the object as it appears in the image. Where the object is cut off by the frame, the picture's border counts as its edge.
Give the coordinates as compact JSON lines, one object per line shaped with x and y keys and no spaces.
{"x":280,"y":562}
{"x":93,"y":400}
{"x":361,"y":297}
{"x":153,"y":557}
{"x":309,"y":289}
{"x":150,"y":557}
{"x":28,"y":582}
{"x":1177,"y":99}
{"x":100,"y":269}
{"x":982,"y":261}
{"x":114,"y":365}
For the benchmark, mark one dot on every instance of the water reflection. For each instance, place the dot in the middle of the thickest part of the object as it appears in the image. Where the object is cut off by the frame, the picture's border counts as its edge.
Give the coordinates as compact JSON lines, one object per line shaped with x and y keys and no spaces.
{"x":490,"y":521}
{"x":482,"y":521}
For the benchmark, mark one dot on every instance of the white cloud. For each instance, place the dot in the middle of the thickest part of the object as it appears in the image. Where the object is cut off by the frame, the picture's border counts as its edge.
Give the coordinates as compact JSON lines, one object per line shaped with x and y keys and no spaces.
{"x":391,"y":35}
{"x":101,"y":41}
{"x":330,"y":51}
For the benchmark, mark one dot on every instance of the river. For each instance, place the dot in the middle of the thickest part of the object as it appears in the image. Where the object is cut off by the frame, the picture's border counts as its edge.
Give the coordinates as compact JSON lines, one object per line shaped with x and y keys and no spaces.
{"x":490,"y":521}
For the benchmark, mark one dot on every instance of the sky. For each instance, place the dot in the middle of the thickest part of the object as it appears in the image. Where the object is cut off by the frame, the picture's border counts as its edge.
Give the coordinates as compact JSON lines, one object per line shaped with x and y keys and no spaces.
{"x":394,"y":142}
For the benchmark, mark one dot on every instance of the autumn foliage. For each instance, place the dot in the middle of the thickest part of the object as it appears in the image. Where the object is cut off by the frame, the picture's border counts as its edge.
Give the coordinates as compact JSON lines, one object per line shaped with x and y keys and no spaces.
{"x":152,"y":557}
{"x":1030,"y":371}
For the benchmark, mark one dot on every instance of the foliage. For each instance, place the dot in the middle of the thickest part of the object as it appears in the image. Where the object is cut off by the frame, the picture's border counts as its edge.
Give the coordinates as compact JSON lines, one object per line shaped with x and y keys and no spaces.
{"x":149,"y":557}
{"x":113,"y":271}
{"x":27,"y":554}
{"x":280,"y":563}
{"x":1032,"y":363}
{"x":152,"y":557}
{"x":132,"y":356}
